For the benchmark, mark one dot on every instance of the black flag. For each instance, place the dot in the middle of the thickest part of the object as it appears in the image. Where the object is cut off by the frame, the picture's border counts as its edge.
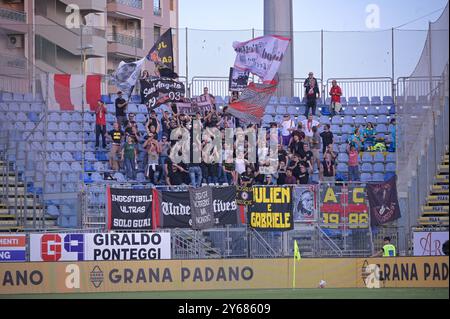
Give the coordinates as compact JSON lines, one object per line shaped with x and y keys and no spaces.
{"x":162,"y":52}
{"x":383,"y":201}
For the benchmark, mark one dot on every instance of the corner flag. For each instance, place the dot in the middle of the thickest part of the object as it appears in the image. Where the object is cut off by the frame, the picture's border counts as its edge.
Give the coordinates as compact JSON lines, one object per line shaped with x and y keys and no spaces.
{"x":296,"y":257}
{"x":296,"y":251}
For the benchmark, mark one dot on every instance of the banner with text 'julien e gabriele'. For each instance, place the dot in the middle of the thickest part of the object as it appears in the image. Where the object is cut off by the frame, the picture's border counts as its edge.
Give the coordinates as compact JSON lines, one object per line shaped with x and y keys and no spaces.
{"x":271,"y":209}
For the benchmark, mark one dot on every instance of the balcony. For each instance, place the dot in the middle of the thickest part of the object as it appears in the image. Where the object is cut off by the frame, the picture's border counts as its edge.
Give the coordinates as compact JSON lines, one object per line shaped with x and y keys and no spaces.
{"x":125,"y":45}
{"x":129,"y":3}
{"x":88,"y":6}
{"x":13,"y":20}
{"x":70,"y":39}
{"x":125,"y":8}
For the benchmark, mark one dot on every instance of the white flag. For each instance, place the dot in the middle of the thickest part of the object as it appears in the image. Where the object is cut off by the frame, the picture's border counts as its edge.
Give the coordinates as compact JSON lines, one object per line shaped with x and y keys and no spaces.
{"x":127,"y":74}
{"x":261,"y":56}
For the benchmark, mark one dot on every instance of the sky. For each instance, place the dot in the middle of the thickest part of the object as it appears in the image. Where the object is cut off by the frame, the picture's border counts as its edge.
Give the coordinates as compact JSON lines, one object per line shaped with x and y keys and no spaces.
{"x":346,"y":54}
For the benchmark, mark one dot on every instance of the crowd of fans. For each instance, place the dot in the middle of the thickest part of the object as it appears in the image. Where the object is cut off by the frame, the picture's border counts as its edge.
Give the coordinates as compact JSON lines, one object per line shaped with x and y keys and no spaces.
{"x":303,"y":149}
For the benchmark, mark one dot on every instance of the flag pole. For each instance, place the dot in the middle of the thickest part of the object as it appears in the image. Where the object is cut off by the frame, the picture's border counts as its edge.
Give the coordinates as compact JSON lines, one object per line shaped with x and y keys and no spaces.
{"x":293,"y":275}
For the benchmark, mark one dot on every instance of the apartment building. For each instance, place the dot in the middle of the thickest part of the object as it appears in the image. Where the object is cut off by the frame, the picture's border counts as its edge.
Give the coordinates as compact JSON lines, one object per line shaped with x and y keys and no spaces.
{"x":39,"y":36}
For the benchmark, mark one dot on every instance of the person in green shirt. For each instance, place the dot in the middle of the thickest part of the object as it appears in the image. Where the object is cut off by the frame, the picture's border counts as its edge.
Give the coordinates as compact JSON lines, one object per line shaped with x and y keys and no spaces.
{"x":388,"y":249}
{"x":129,"y":157}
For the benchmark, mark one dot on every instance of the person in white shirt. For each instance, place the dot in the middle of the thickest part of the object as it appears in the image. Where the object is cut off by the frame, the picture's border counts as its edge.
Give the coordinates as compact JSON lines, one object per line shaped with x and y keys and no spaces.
{"x":287,"y":127}
{"x":307,"y":126}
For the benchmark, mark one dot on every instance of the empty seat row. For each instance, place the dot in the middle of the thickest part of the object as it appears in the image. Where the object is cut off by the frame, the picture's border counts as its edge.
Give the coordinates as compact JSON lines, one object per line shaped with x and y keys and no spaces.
{"x":28,"y":97}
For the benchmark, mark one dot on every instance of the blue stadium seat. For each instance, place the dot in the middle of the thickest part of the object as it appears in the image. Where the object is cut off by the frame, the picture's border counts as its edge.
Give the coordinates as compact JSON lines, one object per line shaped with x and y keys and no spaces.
{"x":50,"y":177}
{"x":372,"y":110}
{"x":378,"y":177}
{"x":53,"y":167}
{"x":267,"y":119}
{"x":273,"y":100}
{"x":388,"y":176}
{"x":343,"y":147}
{"x":392,"y":110}
{"x":66,"y":117}
{"x":383,"y":110}
{"x":140,"y":177}
{"x":24,"y":107}
{"x":19,"y":126}
{"x":132,"y":108}
{"x":371,"y":118}
{"x":136,"y":99}
{"x":342,"y":158}
{"x":54,"y":117}
{"x":99,"y":166}
{"x":64,"y":127}
{"x":367,"y":157}
{"x":281,"y":109}
{"x":353,"y":101}
{"x":364,"y":100}
{"x":17,"y":96}
{"x":366,"y":167}
{"x":36,"y":107}
{"x":52,"y":210}
{"x":324,"y":119}
{"x":111,"y":109}
{"x":382,"y":128}
{"x":76,"y":127}
{"x":390,"y":167}
{"x":342,"y":167}
{"x":375,"y":100}
{"x":119,"y":177}
{"x":296,"y":100}
{"x":57,"y":146}
{"x":76,"y":117}
{"x":65,"y":167}
{"x":284,"y":100}
{"x":388,"y":100}
{"x":292,"y":110}
{"x":73,"y":137}
{"x":89,"y":117}
{"x":51,"y":136}
{"x":96,"y":177}
{"x":346,"y":128}
{"x":55,"y":156}
{"x":270,"y":109}
{"x":378,"y":167}
{"x":349,"y":110}
{"x":335,"y":128}
{"x":378,"y":157}
{"x":359,"y":120}
{"x":6,"y":96}
{"x":90,"y":156}
{"x":279,"y":118}
{"x":337,"y":120}
{"x":106,"y":99}
{"x":360,"y":110}
{"x":366,"y":177}
{"x":67,"y":156}
{"x":76,"y":167}
{"x":382,"y":119}
{"x":391,"y":157}
{"x":348,"y":119}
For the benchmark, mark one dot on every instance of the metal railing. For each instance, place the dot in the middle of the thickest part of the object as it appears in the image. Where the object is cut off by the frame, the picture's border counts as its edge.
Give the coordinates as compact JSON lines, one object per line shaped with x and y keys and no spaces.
{"x":129,"y":3}
{"x":358,"y":87}
{"x":126,"y":40}
{"x":13,"y":15}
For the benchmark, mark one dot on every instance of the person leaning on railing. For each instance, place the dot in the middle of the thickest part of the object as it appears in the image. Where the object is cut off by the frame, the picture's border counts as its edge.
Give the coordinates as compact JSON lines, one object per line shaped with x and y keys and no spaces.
{"x":388,"y":249}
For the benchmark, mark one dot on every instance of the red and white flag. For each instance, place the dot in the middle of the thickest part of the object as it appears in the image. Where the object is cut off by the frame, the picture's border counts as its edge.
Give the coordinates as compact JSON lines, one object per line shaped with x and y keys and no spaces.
{"x":65,"y":91}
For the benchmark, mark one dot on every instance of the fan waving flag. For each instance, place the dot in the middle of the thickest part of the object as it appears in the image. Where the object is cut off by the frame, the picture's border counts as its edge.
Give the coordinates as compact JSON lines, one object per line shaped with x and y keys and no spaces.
{"x":64,"y":92}
{"x":261,"y":56}
{"x":252,"y":102}
{"x":127,"y":74}
{"x":162,"y":51}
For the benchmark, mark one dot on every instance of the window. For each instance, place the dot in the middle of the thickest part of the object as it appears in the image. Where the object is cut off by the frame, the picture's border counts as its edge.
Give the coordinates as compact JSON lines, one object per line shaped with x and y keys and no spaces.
{"x":157,"y":7}
{"x":156,"y":33}
{"x":172,"y":5}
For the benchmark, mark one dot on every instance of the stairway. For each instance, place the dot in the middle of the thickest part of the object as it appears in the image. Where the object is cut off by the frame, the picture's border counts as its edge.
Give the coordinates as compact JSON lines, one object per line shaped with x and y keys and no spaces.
{"x":19,"y":209}
{"x":435,"y":212}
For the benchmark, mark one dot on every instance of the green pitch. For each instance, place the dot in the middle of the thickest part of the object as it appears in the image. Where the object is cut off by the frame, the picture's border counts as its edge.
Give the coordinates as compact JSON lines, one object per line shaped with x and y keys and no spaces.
{"x":326,"y":293}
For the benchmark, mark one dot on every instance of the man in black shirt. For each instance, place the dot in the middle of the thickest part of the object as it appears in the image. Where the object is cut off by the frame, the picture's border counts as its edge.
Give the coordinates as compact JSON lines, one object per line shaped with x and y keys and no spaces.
{"x":306,"y":156}
{"x":327,"y":137}
{"x":132,"y":130}
{"x":303,"y":176}
{"x":116,"y":135}
{"x":121,"y":107}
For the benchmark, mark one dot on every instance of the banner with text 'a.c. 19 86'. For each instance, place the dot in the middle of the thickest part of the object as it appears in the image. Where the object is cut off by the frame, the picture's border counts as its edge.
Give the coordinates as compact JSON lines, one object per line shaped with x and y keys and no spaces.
{"x":271,"y":209}
{"x":129,"y":209}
